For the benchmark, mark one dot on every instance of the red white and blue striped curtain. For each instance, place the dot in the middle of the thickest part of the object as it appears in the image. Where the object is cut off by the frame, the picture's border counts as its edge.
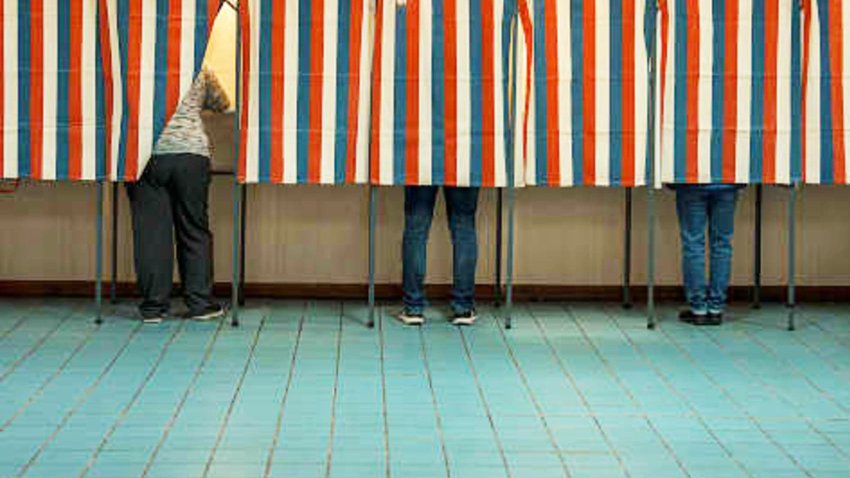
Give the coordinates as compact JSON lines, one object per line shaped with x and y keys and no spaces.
{"x":154,"y":49}
{"x":587,"y":116}
{"x":826,"y":92}
{"x":440,"y":93}
{"x":730,"y":91}
{"x":51,"y":103}
{"x":305,"y":91}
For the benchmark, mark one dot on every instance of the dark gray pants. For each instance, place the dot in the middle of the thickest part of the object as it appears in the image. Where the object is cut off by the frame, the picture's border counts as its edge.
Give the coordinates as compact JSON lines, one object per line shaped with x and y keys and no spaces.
{"x":170,"y":200}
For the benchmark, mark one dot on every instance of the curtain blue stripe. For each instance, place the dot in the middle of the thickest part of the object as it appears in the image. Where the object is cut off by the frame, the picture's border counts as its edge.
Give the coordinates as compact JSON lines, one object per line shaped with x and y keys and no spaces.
{"x":680,"y":93}
{"x":618,"y":80}
{"x":64,"y":64}
{"x":796,"y":97}
{"x":161,"y":69}
{"x":438,"y":68}
{"x":399,"y":92}
{"x":304,"y":25}
{"x":540,"y":79}
{"x":123,"y":26}
{"x":577,"y":51}
{"x":477,"y":97}
{"x":509,"y":17}
{"x":718,"y":103}
{"x":24,"y":96}
{"x":265,"y":100}
{"x":343,"y":85}
{"x":201,"y":17}
{"x":100,"y":110}
{"x":826,"y":153}
{"x":758,"y":72}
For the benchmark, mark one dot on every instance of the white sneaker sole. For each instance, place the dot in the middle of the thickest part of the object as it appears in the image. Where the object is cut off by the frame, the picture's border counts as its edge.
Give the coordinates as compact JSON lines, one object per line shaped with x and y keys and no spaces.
{"x":152,"y":321}
{"x":465,"y":321}
{"x":208,"y":316}
{"x":408,"y":320}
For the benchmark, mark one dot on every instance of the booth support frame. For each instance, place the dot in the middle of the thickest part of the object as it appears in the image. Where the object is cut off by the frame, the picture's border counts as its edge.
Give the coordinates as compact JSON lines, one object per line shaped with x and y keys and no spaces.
{"x":237,"y":188}
{"x":98,"y":268}
{"x":373,"y":220}
{"x":792,"y":259}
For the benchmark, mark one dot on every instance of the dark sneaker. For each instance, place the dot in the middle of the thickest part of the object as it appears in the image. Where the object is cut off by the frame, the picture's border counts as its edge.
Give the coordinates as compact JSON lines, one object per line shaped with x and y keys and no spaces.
{"x":407,"y":317}
{"x":465,"y":318}
{"x":153,"y":319}
{"x":713,"y":319}
{"x":210,"y":313}
{"x":701,"y":320}
{"x":688,"y":316}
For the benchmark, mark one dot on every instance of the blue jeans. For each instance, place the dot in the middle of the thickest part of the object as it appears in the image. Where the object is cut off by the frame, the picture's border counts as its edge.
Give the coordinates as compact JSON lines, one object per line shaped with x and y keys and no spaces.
{"x":461,"y":206}
{"x":698,"y":208}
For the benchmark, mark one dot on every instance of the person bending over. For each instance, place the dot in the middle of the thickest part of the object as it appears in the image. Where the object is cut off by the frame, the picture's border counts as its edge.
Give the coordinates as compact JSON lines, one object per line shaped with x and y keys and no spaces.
{"x":461,"y":206}
{"x":700,"y":207}
{"x":170,"y":201}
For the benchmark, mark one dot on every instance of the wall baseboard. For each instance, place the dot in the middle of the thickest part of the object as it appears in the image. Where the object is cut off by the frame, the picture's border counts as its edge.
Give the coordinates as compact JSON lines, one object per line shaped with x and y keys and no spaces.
{"x":522,"y":292}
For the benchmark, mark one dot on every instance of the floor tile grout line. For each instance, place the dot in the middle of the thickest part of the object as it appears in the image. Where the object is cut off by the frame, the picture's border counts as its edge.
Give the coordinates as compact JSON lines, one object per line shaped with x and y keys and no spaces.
{"x":384,"y":409}
{"x":556,"y":355}
{"x":732,"y":398}
{"x":540,"y":413}
{"x":179,"y":407}
{"x":836,"y":367}
{"x":236,"y":393}
{"x":329,"y":451}
{"x":29,"y":353}
{"x":842,"y":342}
{"x":612,"y":373}
{"x":799,"y":372}
{"x":772,"y":388}
{"x":282,"y":409}
{"x":807,"y":420}
{"x":23,"y":315}
{"x":484,"y":403}
{"x":43,"y":386}
{"x":648,"y":360}
{"x":79,"y":403}
{"x":123,"y":414}
{"x":438,"y":417}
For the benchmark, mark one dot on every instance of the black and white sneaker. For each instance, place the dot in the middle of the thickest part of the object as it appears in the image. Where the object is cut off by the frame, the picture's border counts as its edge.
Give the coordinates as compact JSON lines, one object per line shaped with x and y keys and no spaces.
{"x":407,"y":317}
{"x":212,"y":312}
{"x":688,"y":316}
{"x":153,"y":319}
{"x":464,"y":319}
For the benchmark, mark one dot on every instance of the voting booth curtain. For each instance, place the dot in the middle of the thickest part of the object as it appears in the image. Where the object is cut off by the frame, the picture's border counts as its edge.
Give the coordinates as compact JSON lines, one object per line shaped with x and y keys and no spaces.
{"x":399,"y":93}
{"x":586,"y":79}
{"x":440,"y":104}
{"x":152,"y":51}
{"x":826,"y":92}
{"x":88,"y":85}
{"x":446,"y":92}
{"x":731,"y":91}
{"x":305,"y":91}
{"x":51,"y":91}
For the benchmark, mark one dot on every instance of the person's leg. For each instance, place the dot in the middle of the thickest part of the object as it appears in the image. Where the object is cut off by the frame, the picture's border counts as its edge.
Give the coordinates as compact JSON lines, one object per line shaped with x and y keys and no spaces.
{"x":418,"y":213}
{"x":721,"y":229}
{"x":153,"y":245}
{"x":692,"y":210}
{"x":461,"y":206}
{"x":189,"y":187}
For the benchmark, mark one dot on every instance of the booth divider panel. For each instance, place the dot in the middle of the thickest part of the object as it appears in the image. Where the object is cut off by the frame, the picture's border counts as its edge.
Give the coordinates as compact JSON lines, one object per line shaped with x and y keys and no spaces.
{"x":826,"y":92}
{"x":305,"y":91}
{"x":52,"y":123}
{"x":731,"y":91}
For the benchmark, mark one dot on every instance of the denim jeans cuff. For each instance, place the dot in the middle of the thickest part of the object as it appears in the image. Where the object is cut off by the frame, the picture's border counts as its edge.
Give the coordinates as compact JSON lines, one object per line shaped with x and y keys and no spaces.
{"x":462,"y":309}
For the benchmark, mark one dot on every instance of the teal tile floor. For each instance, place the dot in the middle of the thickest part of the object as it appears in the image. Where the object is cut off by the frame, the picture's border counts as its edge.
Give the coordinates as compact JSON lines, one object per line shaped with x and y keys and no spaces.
{"x":303,"y":389}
